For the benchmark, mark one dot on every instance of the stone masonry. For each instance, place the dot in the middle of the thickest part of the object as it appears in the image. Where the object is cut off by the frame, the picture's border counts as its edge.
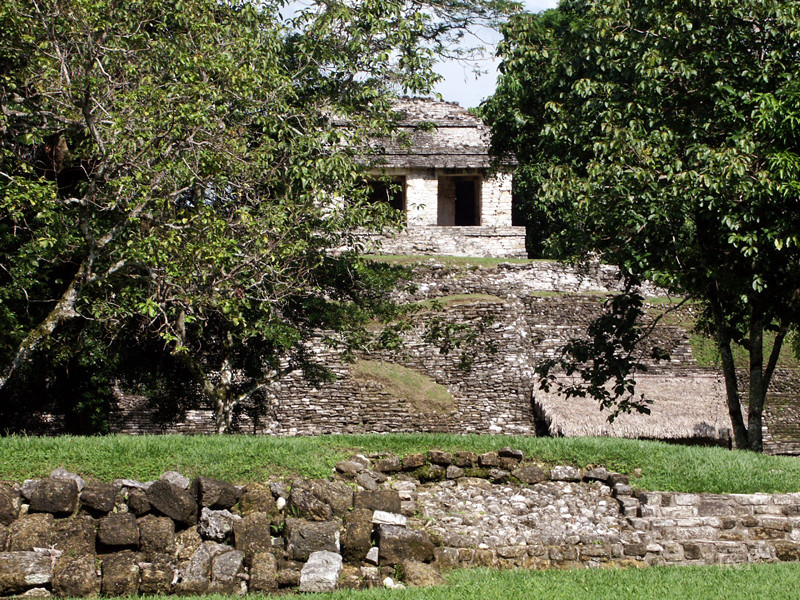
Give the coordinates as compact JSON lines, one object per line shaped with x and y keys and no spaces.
{"x":380,"y":515}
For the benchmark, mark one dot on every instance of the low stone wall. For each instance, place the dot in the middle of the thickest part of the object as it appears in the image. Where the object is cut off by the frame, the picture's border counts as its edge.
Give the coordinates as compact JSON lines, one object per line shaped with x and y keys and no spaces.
{"x":380,"y":516}
{"x":497,"y":242}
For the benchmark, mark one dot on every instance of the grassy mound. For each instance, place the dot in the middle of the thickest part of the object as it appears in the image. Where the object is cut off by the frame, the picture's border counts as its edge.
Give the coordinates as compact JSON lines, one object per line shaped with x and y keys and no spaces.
{"x":241,"y":458}
{"x":420,"y":391}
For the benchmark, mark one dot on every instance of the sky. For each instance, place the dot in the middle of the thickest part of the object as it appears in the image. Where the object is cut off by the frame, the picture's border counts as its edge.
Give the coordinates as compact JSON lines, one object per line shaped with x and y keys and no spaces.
{"x":459,"y":83}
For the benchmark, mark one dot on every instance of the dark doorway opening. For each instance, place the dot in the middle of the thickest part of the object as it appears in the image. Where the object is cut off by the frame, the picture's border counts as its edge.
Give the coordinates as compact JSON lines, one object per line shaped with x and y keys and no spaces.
{"x":390,"y":191}
{"x":466,"y":205}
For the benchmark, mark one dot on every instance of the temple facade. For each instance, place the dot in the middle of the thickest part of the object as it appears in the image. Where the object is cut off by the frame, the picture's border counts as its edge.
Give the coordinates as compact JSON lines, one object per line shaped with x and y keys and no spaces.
{"x":454,"y":201}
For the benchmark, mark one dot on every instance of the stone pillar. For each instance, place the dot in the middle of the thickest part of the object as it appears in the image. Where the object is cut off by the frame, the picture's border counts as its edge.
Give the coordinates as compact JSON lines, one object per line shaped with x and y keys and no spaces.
{"x":496,"y":209}
{"x":422,"y":191}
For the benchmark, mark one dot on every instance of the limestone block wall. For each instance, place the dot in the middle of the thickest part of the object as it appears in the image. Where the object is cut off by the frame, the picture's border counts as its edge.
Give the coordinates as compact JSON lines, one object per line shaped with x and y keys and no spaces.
{"x":496,"y":200}
{"x":379,"y":515}
{"x":422,"y":190}
{"x":499,"y":242}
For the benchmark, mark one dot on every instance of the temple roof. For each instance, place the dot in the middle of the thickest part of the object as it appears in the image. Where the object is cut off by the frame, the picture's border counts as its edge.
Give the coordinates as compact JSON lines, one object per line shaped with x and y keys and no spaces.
{"x":441,"y":135}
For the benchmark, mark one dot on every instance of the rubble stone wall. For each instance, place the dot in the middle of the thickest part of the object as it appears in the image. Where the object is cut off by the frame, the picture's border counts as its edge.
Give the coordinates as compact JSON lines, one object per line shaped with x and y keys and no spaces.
{"x":380,"y":515}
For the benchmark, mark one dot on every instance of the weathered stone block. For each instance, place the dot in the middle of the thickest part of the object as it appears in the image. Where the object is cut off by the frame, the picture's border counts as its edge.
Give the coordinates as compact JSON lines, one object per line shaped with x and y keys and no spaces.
{"x":288,"y":576}
{"x":530,"y":474}
{"x":357,"y":539}
{"x":616,"y":479}
{"x":263,"y":572}
{"x":54,"y":496}
{"x":225,"y":570}
{"x":31,"y":531}
{"x":156,"y":574}
{"x":304,"y":503}
{"x":446,"y":558}
{"x":75,"y":535}
{"x":98,"y":497}
{"x":597,"y":474}
{"x":76,"y":577}
{"x":499,"y":476}
{"x":601,"y":550}
{"x":454,"y":472}
{"x":514,"y":454}
{"x":217,"y":525}
{"x":787,"y":551}
{"x":251,"y":534}
{"x":3,"y":538}
{"x":565,"y":473}
{"x":489,"y":460}
{"x":118,"y":530}
{"x":156,"y":535}
{"x":413,"y":461}
{"x":367,"y":481}
{"x":176,"y":479}
{"x":397,"y":544}
{"x":439,"y":457}
{"x":186,"y":543}
{"x":385,"y":500}
{"x":215,"y":494}
{"x":176,"y":503}
{"x":418,"y":574}
{"x":388,"y":464}
{"x":335,"y":494}
{"x":303,"y":538}
{"x":196,"y":573}
{"x":63,"y":474}
{"x":428,"y":473}
{"x":257,"y":497}
{"x":465,"y":459}
{"x":20,"y":571}
{"x":10,"y":500}
{"x":137,"y":502}
{"x":698,"y":551}
{"x":120,"y":574}
{"x":321,"y":572}
{"x":349,"y":468}
{"x":636,"y":549}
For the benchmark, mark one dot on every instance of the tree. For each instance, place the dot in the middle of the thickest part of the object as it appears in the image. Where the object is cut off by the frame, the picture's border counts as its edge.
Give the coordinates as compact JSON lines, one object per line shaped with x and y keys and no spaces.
{"x":671,"y":131}
{"x":170,"y":170}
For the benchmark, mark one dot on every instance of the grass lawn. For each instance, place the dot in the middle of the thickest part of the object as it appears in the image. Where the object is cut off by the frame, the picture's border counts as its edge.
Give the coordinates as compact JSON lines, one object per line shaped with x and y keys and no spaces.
{"x":242,"y":458}
{"x":750,"y":582}
{"x":776,"y":581}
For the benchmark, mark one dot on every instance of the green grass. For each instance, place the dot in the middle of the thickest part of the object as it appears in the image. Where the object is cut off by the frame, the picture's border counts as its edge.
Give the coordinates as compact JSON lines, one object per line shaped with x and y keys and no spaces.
{"x":418,"y":390}
{"x":746,"y":582}
{"x":753,"y":582}
{"x":240,"y":458}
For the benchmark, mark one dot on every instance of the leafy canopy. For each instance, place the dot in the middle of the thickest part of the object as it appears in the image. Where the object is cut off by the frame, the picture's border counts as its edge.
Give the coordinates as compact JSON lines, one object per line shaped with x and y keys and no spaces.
{"x":169,"y":172}
{"x":666,"y":136}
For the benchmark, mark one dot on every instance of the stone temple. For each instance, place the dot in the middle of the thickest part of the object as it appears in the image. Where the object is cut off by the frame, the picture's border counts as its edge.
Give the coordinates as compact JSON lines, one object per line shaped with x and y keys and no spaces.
{"x":455,"y":202}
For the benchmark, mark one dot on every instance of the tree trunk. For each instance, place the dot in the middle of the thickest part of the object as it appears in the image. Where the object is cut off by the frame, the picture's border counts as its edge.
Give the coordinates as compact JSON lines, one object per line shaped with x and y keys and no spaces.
{"x":740,"y":433}
{"x":224,"y":403}
{"x":757,"y":391}
{"x":62,"y":311}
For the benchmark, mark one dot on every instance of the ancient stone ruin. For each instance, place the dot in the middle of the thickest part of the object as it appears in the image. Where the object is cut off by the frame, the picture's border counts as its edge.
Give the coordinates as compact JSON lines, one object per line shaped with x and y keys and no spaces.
{"x":381,"y":521}
{"x":440,"y":174}
{"x":524,"y":312}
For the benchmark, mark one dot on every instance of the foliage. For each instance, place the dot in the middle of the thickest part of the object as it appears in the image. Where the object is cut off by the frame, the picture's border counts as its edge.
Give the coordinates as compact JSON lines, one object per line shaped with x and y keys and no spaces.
{"x":670,"y":131}
{"x":171,"y":173}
